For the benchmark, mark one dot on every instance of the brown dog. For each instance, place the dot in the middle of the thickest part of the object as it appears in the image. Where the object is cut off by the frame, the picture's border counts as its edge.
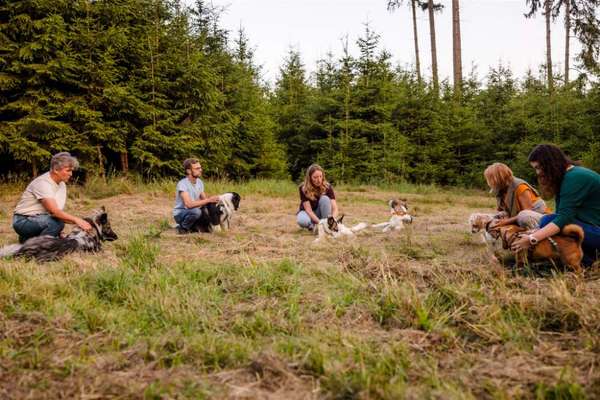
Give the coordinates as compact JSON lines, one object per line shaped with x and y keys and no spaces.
{"x":564,"y":247}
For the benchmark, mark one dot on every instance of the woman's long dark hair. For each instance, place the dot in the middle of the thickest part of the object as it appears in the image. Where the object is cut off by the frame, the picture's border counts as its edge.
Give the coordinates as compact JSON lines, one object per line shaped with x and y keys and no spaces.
{"x":553,"y":163}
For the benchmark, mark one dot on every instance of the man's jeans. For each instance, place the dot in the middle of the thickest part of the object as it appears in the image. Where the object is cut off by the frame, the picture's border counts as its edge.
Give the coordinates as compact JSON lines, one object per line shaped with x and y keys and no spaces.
{"x":323,"y":210}
{"x":36,"y":225}
{"x":591,"y":239}
{"x":188,"y":217}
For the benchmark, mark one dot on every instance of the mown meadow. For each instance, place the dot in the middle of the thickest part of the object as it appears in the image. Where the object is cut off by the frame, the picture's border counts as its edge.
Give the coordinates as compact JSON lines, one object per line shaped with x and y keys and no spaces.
{"x":261,"y":312}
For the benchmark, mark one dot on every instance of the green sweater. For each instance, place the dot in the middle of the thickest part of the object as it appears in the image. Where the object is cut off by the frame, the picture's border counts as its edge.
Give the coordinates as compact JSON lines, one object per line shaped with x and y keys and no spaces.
{"x":579,"y":198}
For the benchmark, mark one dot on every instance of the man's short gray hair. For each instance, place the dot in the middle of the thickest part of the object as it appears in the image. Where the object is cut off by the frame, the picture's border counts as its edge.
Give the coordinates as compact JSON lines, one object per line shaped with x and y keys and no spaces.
{"x":62,"y":160}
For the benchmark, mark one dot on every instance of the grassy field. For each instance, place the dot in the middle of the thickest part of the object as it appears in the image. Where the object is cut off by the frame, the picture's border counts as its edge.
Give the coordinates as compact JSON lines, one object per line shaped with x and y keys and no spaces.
{"x":261,"y":312}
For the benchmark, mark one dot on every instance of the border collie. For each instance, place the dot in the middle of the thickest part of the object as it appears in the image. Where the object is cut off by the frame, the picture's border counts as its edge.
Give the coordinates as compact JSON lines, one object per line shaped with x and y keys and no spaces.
{"x":50,"y":248}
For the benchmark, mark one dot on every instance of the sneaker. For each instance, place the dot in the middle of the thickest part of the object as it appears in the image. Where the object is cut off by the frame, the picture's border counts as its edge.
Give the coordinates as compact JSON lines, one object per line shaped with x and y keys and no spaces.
{"x":182,"y":231}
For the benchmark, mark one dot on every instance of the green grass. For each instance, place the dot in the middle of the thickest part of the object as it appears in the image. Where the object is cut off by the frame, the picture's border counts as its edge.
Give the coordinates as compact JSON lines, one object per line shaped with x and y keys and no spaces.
{"x":420,"y":313}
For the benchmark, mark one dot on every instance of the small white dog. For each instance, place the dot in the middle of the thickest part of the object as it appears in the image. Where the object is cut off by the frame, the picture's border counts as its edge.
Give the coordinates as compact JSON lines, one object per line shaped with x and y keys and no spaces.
{"x":400,"y":216}
{"x":334,"y":228}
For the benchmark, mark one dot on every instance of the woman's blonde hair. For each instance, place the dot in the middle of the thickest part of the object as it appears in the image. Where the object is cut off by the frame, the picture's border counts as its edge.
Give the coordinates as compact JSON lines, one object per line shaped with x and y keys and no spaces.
{"x":311,"y":191}
{"x":498,"y":176}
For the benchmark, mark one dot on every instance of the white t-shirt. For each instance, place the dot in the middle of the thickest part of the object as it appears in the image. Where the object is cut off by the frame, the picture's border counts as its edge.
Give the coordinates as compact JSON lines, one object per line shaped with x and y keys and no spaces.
{"x":42,"y":187}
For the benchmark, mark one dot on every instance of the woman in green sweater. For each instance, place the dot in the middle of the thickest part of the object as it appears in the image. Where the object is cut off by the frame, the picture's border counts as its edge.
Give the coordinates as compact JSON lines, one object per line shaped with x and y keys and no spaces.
{"x":577,"y":193}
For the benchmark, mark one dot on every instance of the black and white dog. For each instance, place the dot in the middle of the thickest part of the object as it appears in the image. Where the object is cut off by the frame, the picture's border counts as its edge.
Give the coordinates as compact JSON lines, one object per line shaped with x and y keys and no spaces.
{"x":209,"y":219}
{"x":50,"y":248}
{"x":228,"y":204}
{"x":335,"y":228}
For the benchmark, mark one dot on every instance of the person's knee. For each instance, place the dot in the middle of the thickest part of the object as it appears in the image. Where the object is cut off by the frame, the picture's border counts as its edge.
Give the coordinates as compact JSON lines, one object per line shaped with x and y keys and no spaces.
{"x":324,"y":200}
{"x":54,"y":227}
{"x":546,"y":219}
{"x":528,"y":219}
{"x":303,"y":220}
{"x":196,"y":212}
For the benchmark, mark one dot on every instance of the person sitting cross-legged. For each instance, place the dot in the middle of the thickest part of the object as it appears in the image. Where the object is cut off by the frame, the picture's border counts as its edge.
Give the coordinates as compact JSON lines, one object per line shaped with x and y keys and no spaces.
{"x":317,"y":198}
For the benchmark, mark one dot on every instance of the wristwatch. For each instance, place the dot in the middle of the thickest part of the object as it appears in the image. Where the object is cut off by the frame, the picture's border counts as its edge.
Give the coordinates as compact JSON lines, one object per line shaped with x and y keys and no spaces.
{"x":532,"y":240}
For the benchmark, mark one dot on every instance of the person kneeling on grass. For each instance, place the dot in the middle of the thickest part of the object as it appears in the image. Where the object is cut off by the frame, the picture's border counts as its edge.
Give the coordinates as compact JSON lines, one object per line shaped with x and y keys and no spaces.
{"x":40,"y":209}
{"x":515,"y":197}
{"x":577,"y":193}
{"x":190,"y":197}
{"x":317,"y":198}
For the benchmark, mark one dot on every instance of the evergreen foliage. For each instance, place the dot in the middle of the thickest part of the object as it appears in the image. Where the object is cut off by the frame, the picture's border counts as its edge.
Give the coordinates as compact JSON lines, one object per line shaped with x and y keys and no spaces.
{"x":139,"y":85}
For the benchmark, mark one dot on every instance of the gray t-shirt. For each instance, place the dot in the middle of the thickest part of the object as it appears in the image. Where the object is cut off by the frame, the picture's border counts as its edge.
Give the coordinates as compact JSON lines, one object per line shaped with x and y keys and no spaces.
{"x":194,"y":191}
{"x":42,"y":187}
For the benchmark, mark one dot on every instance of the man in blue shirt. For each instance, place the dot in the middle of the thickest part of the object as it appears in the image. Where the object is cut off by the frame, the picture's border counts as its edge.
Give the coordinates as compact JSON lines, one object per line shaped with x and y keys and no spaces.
{"x":190,"y":197}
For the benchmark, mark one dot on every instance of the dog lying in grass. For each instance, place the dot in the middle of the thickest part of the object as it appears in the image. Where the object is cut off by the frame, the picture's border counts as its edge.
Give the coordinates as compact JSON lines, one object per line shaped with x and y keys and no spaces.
{"x":400,"y":216}
{"x":334,"y":228}
{"x":564,"y":248}
{"x":50,"y":248}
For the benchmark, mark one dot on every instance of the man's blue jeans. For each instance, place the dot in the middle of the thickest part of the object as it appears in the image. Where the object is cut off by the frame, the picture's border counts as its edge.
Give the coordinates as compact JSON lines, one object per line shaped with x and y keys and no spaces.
{"x":591,"y":240}
{"x":323,"y":210}
{"x":188,"y":217}
{"x":28,"y":226}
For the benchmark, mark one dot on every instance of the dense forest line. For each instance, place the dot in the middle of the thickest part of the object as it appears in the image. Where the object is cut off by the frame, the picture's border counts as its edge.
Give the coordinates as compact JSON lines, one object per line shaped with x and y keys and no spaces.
{"x":135,"y":86}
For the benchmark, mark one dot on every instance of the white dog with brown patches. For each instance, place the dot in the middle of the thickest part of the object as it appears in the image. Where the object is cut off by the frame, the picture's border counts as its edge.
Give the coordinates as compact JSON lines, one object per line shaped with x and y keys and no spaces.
{"x":400,"y":216}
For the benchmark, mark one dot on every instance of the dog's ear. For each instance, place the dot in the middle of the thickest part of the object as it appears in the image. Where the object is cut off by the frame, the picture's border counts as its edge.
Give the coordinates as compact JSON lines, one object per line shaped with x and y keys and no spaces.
{"x":340,"y":219}
{"x":331,"y":221}
{"x":392,"y":203}
{"x":102,"y":218}
{"x":102,"y":209}
{"x":235,"y":199}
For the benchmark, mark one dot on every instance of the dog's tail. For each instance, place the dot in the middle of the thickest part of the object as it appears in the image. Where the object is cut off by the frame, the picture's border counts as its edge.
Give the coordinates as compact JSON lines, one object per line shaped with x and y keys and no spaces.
{"x":359,"y":227}
{"x":575,"y":232}
{"x":10,"y":250}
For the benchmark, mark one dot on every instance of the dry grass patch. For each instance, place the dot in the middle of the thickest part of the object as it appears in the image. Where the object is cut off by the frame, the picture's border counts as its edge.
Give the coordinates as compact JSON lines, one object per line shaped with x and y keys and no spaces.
{"x":261,"y":312}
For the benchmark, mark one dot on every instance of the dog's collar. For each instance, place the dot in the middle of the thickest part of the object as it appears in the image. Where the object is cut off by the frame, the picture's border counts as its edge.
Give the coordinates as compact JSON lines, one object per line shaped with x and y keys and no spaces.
{"x":487,"y":224}
{"x":92,"y":223}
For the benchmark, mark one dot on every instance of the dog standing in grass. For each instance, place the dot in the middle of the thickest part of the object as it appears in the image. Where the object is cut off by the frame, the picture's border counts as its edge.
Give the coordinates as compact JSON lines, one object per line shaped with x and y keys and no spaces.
{"x":564,"y":248}
{"x":228,"y":204}
{"x":51,"y":248}
{"x":481,"y":223}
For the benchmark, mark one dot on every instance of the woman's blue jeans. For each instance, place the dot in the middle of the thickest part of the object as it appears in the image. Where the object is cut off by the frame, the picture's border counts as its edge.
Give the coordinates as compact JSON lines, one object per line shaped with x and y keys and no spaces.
{"x":591,"y":239}
{"x":323,"y":210}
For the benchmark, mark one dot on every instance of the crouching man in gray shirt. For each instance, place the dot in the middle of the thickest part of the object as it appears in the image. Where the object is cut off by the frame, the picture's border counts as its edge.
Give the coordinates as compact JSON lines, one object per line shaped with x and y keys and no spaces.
{"x":190,"y":197}
{"x":40,"y":208}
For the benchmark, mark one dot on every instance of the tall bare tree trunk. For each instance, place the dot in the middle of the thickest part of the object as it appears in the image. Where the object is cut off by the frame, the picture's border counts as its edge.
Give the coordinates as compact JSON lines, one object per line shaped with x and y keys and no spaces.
{"x":100,"y":162}
{"x":434,"y":66}
{"x":456,"y":47}
{"x":124,"y":162}
{"x":567,"y":38}
{"x":415,"y":35}
{"x":548,"y":15}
